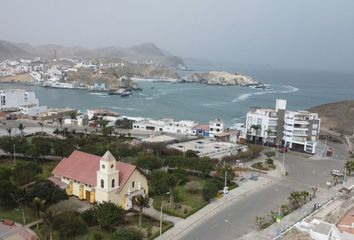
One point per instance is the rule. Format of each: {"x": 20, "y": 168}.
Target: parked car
{"x": 336, "y": 172}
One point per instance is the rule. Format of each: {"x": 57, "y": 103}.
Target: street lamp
{"x": 168, "y": 193}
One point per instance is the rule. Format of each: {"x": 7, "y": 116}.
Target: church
{"x": 98, "y": 179}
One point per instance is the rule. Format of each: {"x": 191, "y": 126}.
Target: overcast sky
{"x": 315, "y": 34}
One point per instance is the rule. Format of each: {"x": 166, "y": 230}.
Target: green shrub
{"x": 270, "y": 154}
{"x": 270, "y": 161}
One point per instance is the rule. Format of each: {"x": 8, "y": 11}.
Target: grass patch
{"x": 15, "y": 214}
{"x": 259, "y": 166}
{"x": 185, "y": 203}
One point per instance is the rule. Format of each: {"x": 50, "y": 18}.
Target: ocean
{"x": 192, "y": 101}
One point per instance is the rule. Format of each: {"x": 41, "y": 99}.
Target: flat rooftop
{"x": 206, "y": 147}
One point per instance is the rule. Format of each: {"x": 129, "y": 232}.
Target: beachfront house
{"x": 97, "y": 179}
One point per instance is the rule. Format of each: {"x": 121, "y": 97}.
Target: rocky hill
{"x": 221, "y": 78}
{"x": 10, "y": 51}
{"x": 337, "y": 117}
{"x": 143, "y": 53}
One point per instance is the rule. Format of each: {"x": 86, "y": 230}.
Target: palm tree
{"x": 41, "y": 124}
{"x": 304, "y": 195}
{"x": 260, "y": 221}
{"x": 256, "y": 128}
{"x": 141, "y": 201}
{"x": 38, "y": 205}
{"x": 295, "y": 199}
{"x": 21, "y": 127}
{"x": 9, "y": 131}
{"x": 269, "y": 131}
{"x": 60, "y": 120}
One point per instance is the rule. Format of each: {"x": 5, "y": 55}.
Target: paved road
{"x": 239, "y": 219}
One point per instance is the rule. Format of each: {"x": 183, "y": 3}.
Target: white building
{"x": 208, "y": 148}
{"x": 216, "y": 126}
{"x": 166, "y": 125}
{"x": 294, "y": 129}
{"x": 14, "y": 99}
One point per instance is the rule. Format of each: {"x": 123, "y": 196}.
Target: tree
{"x": 269, "y": 131}
{"x": 172, "y": 182}
{"x": 157, "y": 182}
{"x": 6, "y": 189}
{"x": 210, "y": 188}
{"x": 141, "y": 202}
{"x": 60, "y": 120}
{"x": 37, "y": 205}
{"x": 26, "y": 172}
{"x": 46, "y": 190}
{"x": 193, "y": 187}
{"x": 148, "y": 162}
{"x": 349, "y": 166}
{"x": 256, "y": 128}
{"x": 304, "y": 195}
{"x": 9, "y": 131}
{"x": 127, "y": 234}
{"x": 108, "y": 215}
{"x": 69, "y": 225}
{"x": 41, "y": 124}
{"x": 43, "y": 146}
{"x": 295, "y": 199}
{"x": 21, "y": 127}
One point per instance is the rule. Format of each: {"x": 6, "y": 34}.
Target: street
{"x": 240, "y": 218}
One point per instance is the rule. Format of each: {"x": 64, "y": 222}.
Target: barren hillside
{"x": 338, "y": 116}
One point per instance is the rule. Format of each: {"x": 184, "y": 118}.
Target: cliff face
{"x": 220, "y": 78}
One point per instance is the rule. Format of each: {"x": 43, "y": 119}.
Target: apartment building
{"x": 216, "y": 126}
{"x": 20, "y": 100}
{"x": 298, "y": 130}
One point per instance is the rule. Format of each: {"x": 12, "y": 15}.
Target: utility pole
{"x": 284, "y": 160}
{"x": 161, "y": 220}
{"x": 14, "y": 153}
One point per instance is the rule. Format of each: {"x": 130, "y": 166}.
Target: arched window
{"x": 102, "y": 183}
{"x": 113, "y": 183}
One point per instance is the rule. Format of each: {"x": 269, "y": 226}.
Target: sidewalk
{"x": 323, "y": 197}
{"x": 152, "y": 212}
{"x": 208, "y": 211}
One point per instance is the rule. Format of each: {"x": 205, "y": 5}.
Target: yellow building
{"x": 98, "y": 179}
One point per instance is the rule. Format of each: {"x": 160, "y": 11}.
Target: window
{"x": 314, "y": 132}
{"x": 102, "y": 183}
{"x": 133, "y": 184}
{"x": 103, "y": 166}
{"x": 112, "y": 166}
{"x": 26, "y": 97}
{"x": 113, "y": 183}
{"x": 314, "y": 126}
{"x": 3, "y": 100}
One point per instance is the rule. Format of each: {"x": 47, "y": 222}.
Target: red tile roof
{"x": 83, "y": 167}
{"x": 204, "y": 127}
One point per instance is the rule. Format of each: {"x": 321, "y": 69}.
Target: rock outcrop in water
{"x": 221, "y": 78}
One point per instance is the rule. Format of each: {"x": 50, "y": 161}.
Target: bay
{"x": 302, "y": 89}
